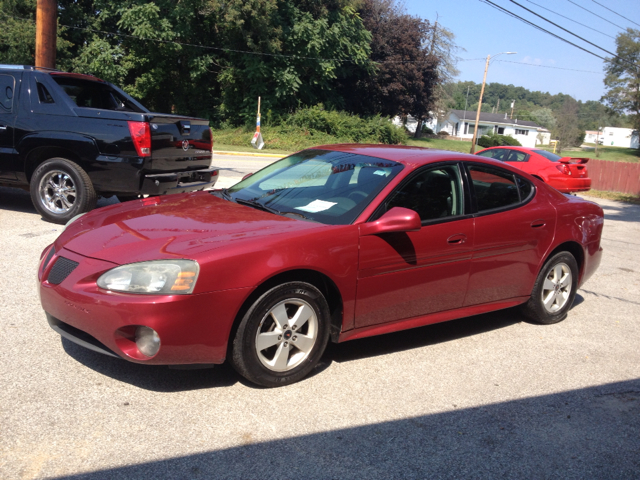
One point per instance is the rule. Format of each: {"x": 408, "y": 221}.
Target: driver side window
{"x": 433, "y": 193}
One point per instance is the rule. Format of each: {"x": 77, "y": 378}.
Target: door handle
{"x": 538, "y": 224}
{"x": 457, "y": 239}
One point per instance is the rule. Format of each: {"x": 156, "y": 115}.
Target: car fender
{"x": 36, "y": 147}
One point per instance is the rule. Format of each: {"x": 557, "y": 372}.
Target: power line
{"x": 511, "y": 14}
{"x": 571, "y": 20}
{"x": 604, "y": 6}
{"x": 549, "y": 66}
{"x": 580, "y": 6}
{"x": 562, "y": 28}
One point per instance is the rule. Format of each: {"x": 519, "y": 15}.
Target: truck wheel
{"x": 60, "y": 190}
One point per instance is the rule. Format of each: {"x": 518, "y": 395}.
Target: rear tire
{"x": 60, "y": 190}
{"x": 282, "y": 336}
{"x": 554, "y": 290}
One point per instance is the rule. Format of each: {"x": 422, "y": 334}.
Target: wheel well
{"x": 320, "y": 281}
{"x": 41, "y": 154}
{"x": 574, "y": 249}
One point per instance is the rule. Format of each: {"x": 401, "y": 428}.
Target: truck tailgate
{"x": 178, "y": 143}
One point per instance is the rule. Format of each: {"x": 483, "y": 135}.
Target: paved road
{"x": 486, "y": 397}
{"x": 234, "y": 167}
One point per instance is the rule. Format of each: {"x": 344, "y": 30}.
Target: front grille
{"x": 61, "y": 270}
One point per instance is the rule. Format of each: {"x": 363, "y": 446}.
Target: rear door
{"x": 514, "y": 227}
{"x": 8, "y": 113}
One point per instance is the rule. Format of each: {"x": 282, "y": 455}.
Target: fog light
{"x": 147, "y": 341}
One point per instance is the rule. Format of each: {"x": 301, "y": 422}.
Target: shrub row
{"x": 495, "y": 140}
{"x": 315, "y": 126}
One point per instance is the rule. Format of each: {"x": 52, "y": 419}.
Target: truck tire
{"x": 60, "y": 190}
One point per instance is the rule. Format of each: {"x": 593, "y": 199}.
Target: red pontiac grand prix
{"x": 565, "y": 174}
{"x": 336, "y": 242}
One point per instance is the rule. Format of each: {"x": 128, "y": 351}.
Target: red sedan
{"x": 332, "y": 243}
{"x": 565, "y": 174}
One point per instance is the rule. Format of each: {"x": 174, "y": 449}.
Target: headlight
{"x": 158, "y": 277}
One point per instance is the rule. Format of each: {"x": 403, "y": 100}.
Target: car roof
{"x": 406, "y": 155}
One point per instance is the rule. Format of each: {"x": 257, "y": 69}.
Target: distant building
{"x": 460, "y": 123}
{"x": 620, "y": 137}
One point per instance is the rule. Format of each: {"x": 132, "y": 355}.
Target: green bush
{"x": 495, "y": 140}
{"x": 315, "y": 126}
{"x": 346, "y": 127}
{"x": 427, "y": 130}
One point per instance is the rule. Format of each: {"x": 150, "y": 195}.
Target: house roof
{"x": 495, "y": 118}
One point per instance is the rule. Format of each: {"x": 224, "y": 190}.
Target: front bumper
{"x": 194, "y": 329}
{"x": 179, "y": 182}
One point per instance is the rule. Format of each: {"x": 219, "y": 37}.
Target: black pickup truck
{"x": 70, "y": 138}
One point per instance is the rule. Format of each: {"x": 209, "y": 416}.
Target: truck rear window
{"x": 90, "y": 94}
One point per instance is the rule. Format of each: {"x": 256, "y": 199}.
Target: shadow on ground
{"x": 164, "y": 379}
{"x": 587, "y": 433}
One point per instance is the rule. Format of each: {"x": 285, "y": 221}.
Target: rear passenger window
{"x": 43, "y": 94}
{"x": 7, "y": 85}
{"x": 493, "y": 188}
{"x": 516, "y": 156}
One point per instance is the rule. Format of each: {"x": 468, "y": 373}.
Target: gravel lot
{"x": 490, "y": 396}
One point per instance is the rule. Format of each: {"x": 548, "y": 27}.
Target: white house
{"x": 460, "y": 123}
{"x": 619, "y": 137}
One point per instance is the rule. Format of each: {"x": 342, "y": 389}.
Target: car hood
{"x": 173, "y": 226}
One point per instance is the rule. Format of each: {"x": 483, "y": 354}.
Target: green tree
{"x": 18, "y": 33}
{"x": 623, "y": 76}
{"x": 544, "y": 117}
{"x": 567, "y": 130}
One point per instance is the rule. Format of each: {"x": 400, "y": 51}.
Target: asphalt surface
{"x": 485, "y": 397}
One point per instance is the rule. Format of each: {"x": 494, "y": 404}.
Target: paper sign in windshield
{"x": 317, "y": 206}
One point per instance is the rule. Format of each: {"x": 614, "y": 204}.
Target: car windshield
{"x": 319, "y": 185}
{"x": 548, "y": 155}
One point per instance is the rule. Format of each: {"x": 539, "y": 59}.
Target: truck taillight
{"x": 141, "y": 136}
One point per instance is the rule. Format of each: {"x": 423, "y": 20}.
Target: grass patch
{"x": 611, "y": 154}
{"x": 617, "y": 196}
{"x": 442, "y": 144}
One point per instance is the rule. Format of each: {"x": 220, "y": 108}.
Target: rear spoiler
{"x": 573, "y": 160}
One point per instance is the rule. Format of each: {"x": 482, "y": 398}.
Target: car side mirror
{"x": 398, "y": 219}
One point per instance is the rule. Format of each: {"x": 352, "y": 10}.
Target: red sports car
{"x": 565, "y": 174}
{"x": 335, "y": 243}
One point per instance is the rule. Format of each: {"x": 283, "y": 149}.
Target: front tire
{"x": 282, "y": 336}
{"x": 60, "y": 190}
{"x": 554, "y": 290}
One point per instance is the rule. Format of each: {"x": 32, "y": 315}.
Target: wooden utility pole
{"x": 46, "y": 33}
{"x": 475, "y": 130}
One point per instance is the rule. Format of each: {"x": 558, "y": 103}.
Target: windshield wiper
{"x": 257, "y": 205}
{"x": 223, "y": 193}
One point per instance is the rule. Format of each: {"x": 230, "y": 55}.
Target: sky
{"x": 483, "y": 30}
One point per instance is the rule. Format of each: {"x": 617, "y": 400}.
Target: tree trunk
{"x": 418, "y": 133}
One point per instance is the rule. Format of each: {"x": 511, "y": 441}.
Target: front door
{"x": 405, "y": 275}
